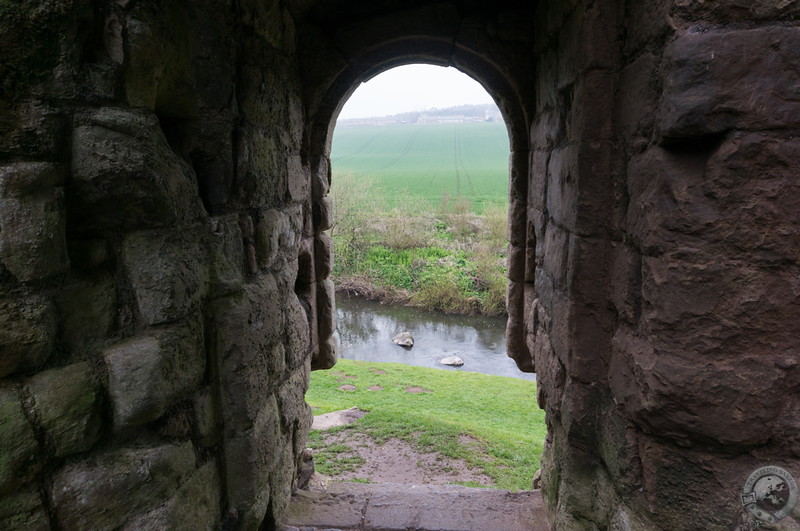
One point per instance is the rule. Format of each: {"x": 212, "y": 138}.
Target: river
{"x": 366, "y": 330}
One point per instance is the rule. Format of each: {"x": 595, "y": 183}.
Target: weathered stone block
{"x": 626, "y": 279}
{"x": 323, "y": 214}
{"x": 271, "y": 225}
{"x": 24, "y": 509}
{"x": 299, "y": 180}
{"x": 691, "y": 387}
{"x": 735, "y": 11}
{"x": 720, "y": 80}
{"x": 261, "y": 169}
{"x": 125, "y": 176}
{"x": 280, "y": 481}
{"x": 323, "y": 256}
{"x": 32, "y": 128}
{"x": 18, "y": 460}
{"x": 295, "y": 413}
{"x": 752, "y": 180}
{"x": 32, "y": 220}
{"x": 159, "y": 60}
{"x": 168, "y": 272}
{"x": 243, "y": 332}
{"x": 67, "y": 407}
{"x": 89, "y": 309}
{"x": 555, "y": 251}
{"x": 517, "y": 222}
{"x": 25, "y": 179}
{"x": 196, "y": 505}
{"x": 226, "y": 268}
{"x": 147, "y": 374}
{"x": 207, "y": 418}
{"x": 107, "y": 490}
{"x": 297, "y": 333}
{"x": 637, "y": 97}
{"x": 251, "y": 456}
{"x": 668, "y": 206}
{"x": 28, "y": 327}
{"x": 516, "y": 345}
{"x": 326, "y": 355}
{"x": 326, "y": 309}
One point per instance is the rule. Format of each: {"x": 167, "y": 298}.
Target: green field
{"x": 426, "y": 162}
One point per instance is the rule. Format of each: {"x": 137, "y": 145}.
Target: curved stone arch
{"x": 459, "y": 40}
{"x": 396, "y": 54}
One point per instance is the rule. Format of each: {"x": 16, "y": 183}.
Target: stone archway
{"x": 450, "y": 38}
{"x": 163, "y": 279}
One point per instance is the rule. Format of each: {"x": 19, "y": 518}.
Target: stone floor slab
{"x": 390, "y": 507}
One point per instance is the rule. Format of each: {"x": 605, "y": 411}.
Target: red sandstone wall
{"x": 663, "y": 299}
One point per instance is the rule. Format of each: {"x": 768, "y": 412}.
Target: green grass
{"x": 420, "y": 164}
{"x": 498, "y": 414}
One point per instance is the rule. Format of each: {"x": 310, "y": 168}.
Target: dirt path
{"x": 397, "y": 461}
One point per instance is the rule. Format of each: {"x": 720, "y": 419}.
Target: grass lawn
{"x": 498, "y": 416}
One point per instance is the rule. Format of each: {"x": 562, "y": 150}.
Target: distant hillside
{"x": 483, "y": 112}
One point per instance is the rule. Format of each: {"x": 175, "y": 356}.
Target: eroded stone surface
{"x": 19, "y": 459}
{"x": 67, "y": 407}
{"x": 148, "y": 374}
{"x": 28, "y": 325}
{"x": 143, "y": 478}
{"x": 393, "y": 506}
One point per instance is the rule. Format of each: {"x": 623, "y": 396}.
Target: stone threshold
{"x": 390, "y": 506}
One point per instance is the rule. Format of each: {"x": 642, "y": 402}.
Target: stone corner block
{"x": 19, "y": 458}
{"x": 168, "y": 271}
{"x": 32, "y": 220}
{"x": 28, "y": 328}
{"x": 112, "y": 488}
{"x": 66, "y": 401}
{"x": 149, "y": 373}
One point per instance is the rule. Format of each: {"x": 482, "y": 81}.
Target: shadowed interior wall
{"x": 162, "y": 273}
{"x": 164, "y": 266}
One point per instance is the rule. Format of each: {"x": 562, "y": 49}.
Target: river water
{"x": 366, "y": 330}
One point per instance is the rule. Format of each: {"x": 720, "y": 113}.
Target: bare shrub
{"x": 406, "y": 230}
{"x": 458, "y": 214}
{"x": 495, "y": 226}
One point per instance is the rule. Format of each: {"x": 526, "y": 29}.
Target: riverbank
{"x": 490, "y": 425}
{"x": 451, "y": 260}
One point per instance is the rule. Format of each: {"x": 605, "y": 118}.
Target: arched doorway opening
{"x": 450, "y": 262}
{"x": 343, "y": 78}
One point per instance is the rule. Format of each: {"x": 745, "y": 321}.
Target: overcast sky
{"x": 413, "y": 88}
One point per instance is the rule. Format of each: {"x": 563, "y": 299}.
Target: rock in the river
{"x": 455, "y": 361}
{"x": 404, "y": 339}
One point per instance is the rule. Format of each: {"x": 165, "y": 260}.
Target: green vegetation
{"x": 408, "y": 230}
{"x": 491, "y": 422}
{"x": 421, "y": 163}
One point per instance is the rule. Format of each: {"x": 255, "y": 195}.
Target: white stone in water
{"x": 455, "y": 361}
{"x": 404, "y": 339}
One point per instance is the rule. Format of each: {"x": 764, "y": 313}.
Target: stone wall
{"x": 164, "y": 287}
{"x": 663, "y": 299}
{"x": 163, "y": 279}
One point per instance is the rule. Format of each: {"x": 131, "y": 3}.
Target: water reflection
{"x": 366, "y": 329}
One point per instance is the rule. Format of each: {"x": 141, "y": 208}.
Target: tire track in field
{"x": 440, "y": 168}
{"x": 455, "y": 161}
{"x": 406, "y": 149}
{"x": 460, "y": 162}
{"x": 371, "y": 140}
